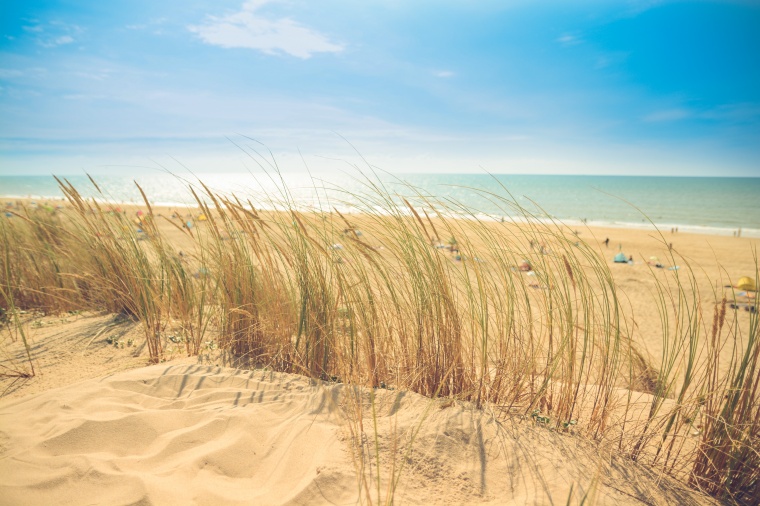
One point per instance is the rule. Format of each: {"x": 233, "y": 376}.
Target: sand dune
{"x": 191, "y": 434}
{"x": 83, "y": 431}
{"x": 174, "y": 435}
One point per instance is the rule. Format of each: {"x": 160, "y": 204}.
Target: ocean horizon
{"x": 709, "y": 205}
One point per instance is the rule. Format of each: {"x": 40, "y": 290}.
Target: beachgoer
{"x": 607, "y": 242}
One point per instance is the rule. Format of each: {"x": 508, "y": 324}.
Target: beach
{"x": 275, "y": 252}
{"x": 98, "y": 421}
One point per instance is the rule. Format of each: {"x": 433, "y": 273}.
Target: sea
{"x": 708, "y": 205}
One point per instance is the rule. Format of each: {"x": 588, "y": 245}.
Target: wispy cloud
{"x": 35, "y": 28}
{"x": 10, "y": 73}
{"x": 251, "y": 29}
{"x": 610, "y": 59}
{"x": 742, "y": 112}
{"x": 569, "y": 39}
{"x": 667, "y": 115}
{"x": 52, "y": 34}
{"x": 18, "y": 73}
{"x": 56, "y": 41}
{"x": 154, "y": 25}
{"x": 444, "y": 73}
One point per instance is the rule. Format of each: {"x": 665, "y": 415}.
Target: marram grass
{"x": 379, "y": 299}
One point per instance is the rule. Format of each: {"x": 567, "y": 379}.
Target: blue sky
{"x": 588, "y": 87}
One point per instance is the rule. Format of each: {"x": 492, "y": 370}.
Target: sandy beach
{"x": 285, "y": 252}
{"x": 98, "y": 425}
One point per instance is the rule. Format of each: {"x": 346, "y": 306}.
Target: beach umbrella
{"x": 746, "y": 283}
{"x": 620, "y": 258}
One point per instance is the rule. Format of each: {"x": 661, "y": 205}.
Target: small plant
{"x": 569, "y": 423}
{"x": 536, "y": 416}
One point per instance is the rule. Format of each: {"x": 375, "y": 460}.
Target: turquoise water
{"x": 708, "y": 205}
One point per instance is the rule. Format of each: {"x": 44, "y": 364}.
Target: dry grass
{"x": 378, "y": 299}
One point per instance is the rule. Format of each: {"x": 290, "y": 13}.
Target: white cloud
{"x": 443, "y": 73}
{"x": 249, "y": 29}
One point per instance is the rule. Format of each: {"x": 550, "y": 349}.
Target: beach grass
{"x": 413, "y": 293}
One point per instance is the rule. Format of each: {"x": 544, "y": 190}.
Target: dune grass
{"x": 414, "y": 293}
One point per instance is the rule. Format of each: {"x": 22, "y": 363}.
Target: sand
{"x": 190, "y": 434}
{"x": 95, "y": 426}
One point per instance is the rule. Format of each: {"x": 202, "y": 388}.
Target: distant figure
{"x": 607, "y": 243}
{"x": 739, "y": 233}
{"x": 630, "y": 259}
{"x": 670, "y": 247}
{"x": 676, "y": 230}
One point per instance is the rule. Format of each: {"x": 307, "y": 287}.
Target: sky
{"x": 524, "y": 87}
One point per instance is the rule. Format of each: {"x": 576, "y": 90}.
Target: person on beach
{"x": 607, "y": 243}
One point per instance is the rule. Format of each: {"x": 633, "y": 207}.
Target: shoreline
{"x": 664, "y": 228}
